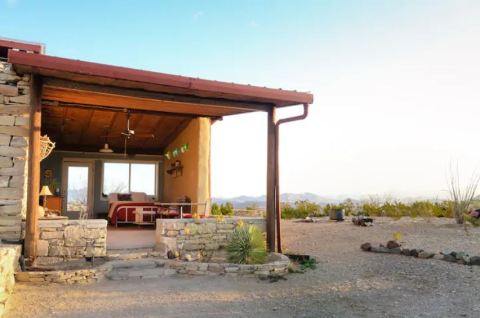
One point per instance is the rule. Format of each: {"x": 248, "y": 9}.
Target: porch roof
{"x": 80, "y": 82}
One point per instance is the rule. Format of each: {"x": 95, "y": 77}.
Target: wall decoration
{"x": 46, "y": 146}
{"x": 175, "y": 153}
{"x": 184, "y": 148}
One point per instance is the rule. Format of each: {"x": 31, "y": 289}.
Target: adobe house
{"x": 157, "y": 125}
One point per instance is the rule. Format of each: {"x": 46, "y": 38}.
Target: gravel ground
{"x": 347, "y": 282}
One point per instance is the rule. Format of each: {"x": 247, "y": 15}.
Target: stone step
{"x": 130, "y": 254}
{"x": 139, "y": 273}
{"x": 137, "y": 264}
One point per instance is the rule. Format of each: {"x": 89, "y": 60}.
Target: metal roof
{"x": 175, "y": 86}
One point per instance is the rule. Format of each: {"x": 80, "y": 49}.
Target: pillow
{"x": 139, "y": 196}
{"x": 112, "y": 197}
{"x": 124, "y": 197}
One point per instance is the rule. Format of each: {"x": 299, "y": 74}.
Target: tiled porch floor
{"x": 130, "y": 237}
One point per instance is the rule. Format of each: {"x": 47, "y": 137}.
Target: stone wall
{"x": 152, "y": 268}
{"x": 194, "y": 240}
{"x": 9, "y": 255}
{"x": 61, "y": 239}
{"x": 14, "y": 132}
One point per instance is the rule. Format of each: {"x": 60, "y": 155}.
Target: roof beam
{"x": 185, "y": 99}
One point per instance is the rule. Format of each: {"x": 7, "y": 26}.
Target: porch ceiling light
{"x": 105, "y": 149}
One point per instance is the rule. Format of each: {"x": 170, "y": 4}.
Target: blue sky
{"x": 395, "y": 82}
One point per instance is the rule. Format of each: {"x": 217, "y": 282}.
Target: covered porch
{"x": 82, "y": 106}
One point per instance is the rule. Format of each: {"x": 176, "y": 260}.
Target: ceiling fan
{"x": 127, "y": 134}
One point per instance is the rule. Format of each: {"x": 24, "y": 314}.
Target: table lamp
{"x": 45, "y": 192}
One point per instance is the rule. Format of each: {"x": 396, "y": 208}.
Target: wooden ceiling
{"x": 84, "y": 129}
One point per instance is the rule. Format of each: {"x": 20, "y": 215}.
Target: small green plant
{"x": 222, "y": 209}
{"x": 310, "y": 263}
{"x": 216, "y": 209}
{"x": 227, "y": 209}
{"x": 473, "y": 221}
{"x": 247, "y": 246}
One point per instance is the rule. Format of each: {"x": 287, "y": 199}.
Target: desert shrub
{"x": 300, "y": 209}
{"x": 461, "y": 196}
{"x": 247, "y": 246}
{"x": 348, "y": 206}
{"x": 473, "y": 221}
{"x": 216, "y": 209}
{"x": 222, "y": 209}
{"x": 227, "y": 209}
{"x": 372, "y": 208}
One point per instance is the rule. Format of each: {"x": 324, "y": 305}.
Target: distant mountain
{"x": 244, "y": 201}
{"x": 259, "y": 201}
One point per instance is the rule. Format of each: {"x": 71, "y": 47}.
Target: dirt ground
{"x": 347, "y": 282}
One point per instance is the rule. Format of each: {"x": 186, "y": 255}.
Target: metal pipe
{"x": 277, "y": 170}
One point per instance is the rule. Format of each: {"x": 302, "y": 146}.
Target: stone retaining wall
{"x": 9, "y": 255}
{"x": 79, "y": 276}
{"x": 14, "y": 132}
{"x": 156, "y": 268}
{"x": 71, "y": 239}
{"x": 194, "y": 240}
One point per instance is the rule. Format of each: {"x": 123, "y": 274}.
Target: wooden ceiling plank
{"x": 180, "y": 127}
{"x": 86, "y": 127}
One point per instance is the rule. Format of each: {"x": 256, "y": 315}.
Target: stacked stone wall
{"x": 61, "y": 239}
{"x": 14, "y": 132}
{"x": 195, "y": 240}
{"x": 9, "y": 255}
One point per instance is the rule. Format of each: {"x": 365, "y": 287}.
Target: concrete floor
{"x": 130, "y": 237}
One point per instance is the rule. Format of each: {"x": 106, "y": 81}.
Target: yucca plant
{"x": 462, "y": 197}
{"x": 247, "y": 246}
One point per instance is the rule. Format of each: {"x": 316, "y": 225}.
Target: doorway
{"x": 77, "y": 187}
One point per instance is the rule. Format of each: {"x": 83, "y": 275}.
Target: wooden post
{"x": 271, "y": 163}
{"x": 31, "y": 227}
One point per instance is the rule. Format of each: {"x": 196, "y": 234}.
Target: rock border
{"x": 394, "y": 247}
{"x": 107, "y": 270}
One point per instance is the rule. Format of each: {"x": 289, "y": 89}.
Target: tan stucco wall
{"x": 195, "y": 180}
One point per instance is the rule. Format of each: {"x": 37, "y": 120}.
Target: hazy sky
{"x": 396, "y": 83}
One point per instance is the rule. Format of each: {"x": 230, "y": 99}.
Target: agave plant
{"x": 247, "y": 246}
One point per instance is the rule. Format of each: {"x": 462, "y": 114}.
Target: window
{"x": 125, "y": 177}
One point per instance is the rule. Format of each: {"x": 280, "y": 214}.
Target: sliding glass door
{"x": 78, "y": 189}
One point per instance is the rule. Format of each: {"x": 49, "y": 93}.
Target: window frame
{"x": 129, "y": 162}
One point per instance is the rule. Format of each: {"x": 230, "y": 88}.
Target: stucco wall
{"x": 195, "y": 180}
{"x": 14, "y": 133}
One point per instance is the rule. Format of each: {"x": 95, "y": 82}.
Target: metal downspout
{"x": 277, "y": 170}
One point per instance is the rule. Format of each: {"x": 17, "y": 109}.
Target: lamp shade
{"x": 45, "y": 191}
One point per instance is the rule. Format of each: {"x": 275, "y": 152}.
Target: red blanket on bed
{"x": 124, "y": 211}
